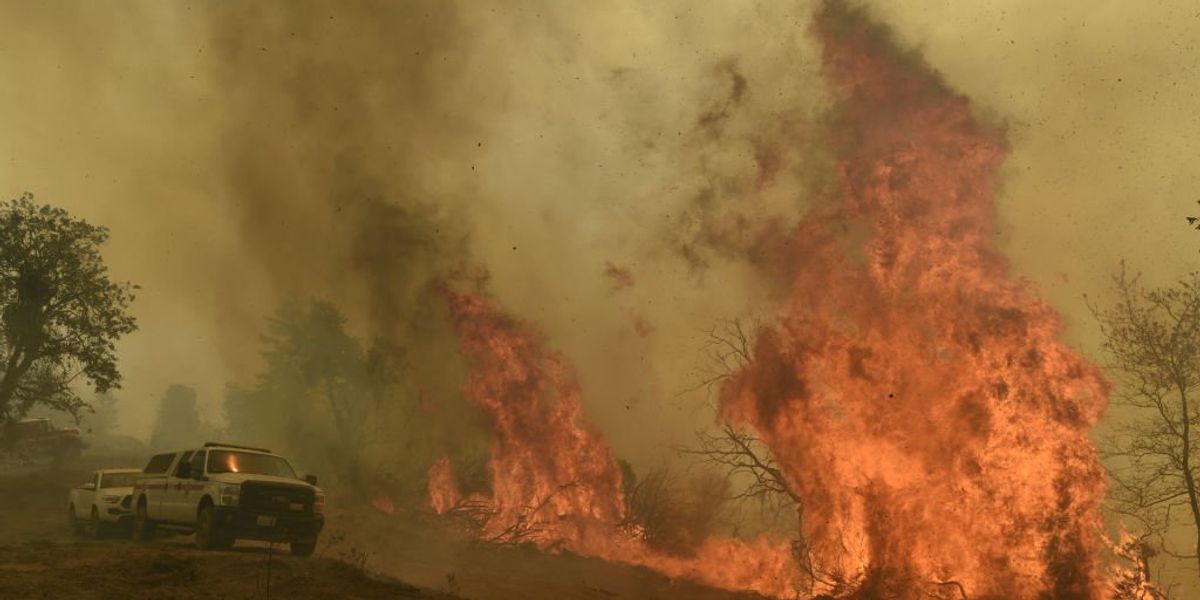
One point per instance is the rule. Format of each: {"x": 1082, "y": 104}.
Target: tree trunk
{"x": 18, "y": 365}
{"x": 1189, "y": 479}
{"x": 347, "y": 460}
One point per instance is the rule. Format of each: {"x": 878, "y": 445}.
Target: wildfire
{"x": 554, "y": 480}
{"x": 443, "y": 490}
{"x": 919, "y": 402}
{"x": 551, "y": 476}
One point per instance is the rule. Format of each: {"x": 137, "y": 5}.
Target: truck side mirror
{"x": 310, "y": 479}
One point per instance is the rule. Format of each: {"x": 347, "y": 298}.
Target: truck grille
{"x": 276, "y": 497}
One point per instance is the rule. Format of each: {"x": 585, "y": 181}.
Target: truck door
{"x": 153, "y": 482}
{"x": 95, "y": 495}
{"x": 173, "y": 497}
{"x": 193, "y": 488}
{"x": 85, "y": 497}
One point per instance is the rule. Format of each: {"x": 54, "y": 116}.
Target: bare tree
{"x": 744, "y": 457}
{"x": 739, "y": 453}
{"x": 726, "y": 348}
{"x": 1152, "y": 338}
{"x": 745, "y": 460}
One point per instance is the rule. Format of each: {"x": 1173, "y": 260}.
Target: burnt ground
{"x": 363, "y": 553}
{"x": 121, "y": 569}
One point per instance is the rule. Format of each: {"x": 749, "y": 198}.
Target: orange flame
{"x": 542, "y": 456}
{"x": 554, "y": 480}
{"x": 443, "y": 490}
{"x": 920, "y": 402}
{"x": 383, "y": 503}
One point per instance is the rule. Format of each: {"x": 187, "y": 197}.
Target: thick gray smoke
{"x": 245, "y": 153}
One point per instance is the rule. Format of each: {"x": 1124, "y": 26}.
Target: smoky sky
{"x": 244, "y": 153}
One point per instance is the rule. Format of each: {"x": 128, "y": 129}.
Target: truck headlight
{"x": 319, "y": 503}
{"x": 230, "y": 494}
{"x": 112, "y": 499}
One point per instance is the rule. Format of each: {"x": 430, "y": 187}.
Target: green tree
{"x": 60, "y": 313}
{"x": 321, "y": 392}
{"x": 178, "y": 423}
{"x": 243, "y": 408}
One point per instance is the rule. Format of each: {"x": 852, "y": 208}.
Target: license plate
{"x": 265, "y": 521}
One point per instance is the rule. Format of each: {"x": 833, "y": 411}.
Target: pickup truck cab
{"x": 224, "y": 493}
{"x": 103, "y": 501}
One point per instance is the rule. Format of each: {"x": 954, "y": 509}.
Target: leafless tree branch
{"x": 1152, "y": 340}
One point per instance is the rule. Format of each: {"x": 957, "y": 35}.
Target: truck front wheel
{"x": 208, "y": 535}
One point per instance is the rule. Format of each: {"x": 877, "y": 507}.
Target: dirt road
{"x": 363, "y": 553}
{"x": 41, "y": 559}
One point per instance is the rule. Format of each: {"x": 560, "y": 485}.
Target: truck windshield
{"x": 228, "y": 461}
{"x": 117, "y": 480}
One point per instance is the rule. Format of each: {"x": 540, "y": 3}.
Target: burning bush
{"x": 673, "y": 514}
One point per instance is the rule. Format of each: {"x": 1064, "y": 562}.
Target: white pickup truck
{"x": 224, "y": 493}
{"x": 102, "y": 502}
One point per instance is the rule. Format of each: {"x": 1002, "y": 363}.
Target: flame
{"x": 920, "y": 402}
{"x": 383, "y": 503}
{"x": 554, "y": 480}
{"x": 443, "y": 490}
{"x": 1131, "y": 576}
{"x": 542, "y": 453}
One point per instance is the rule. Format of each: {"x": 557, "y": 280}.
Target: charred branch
{"x": 482, "y": 519}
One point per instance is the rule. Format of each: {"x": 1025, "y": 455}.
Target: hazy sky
{"x": 218, "y": 141}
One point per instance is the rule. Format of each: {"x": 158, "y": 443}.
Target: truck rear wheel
{"x": 143, "y": 527}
